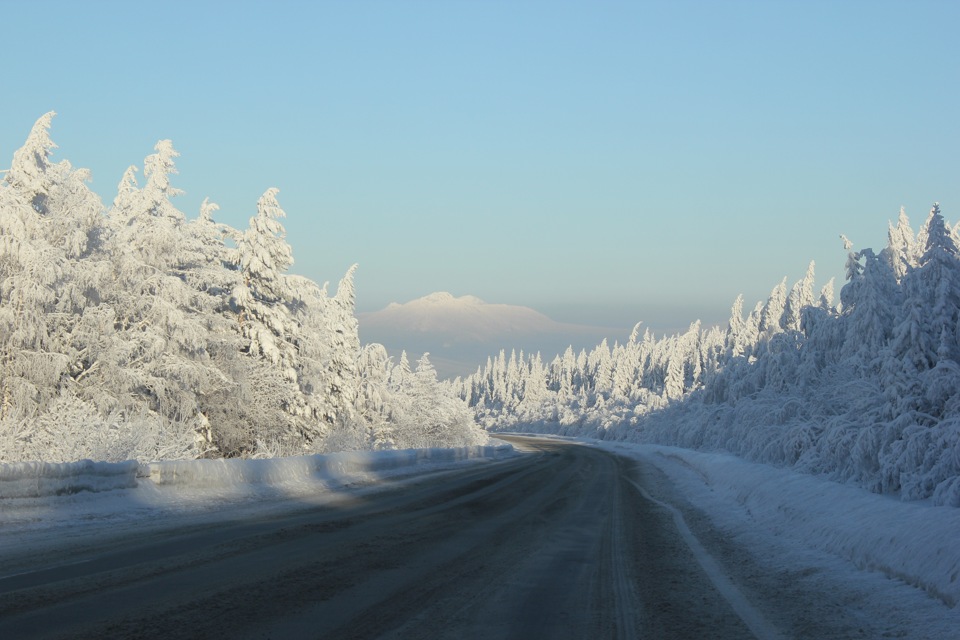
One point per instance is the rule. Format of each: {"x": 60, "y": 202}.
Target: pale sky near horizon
{"x": 602, "y": 162}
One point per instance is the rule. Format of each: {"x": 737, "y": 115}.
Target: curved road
{"x": 560, "y": 543}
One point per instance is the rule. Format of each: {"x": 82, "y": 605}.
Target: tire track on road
{"x": 751, "y": 616}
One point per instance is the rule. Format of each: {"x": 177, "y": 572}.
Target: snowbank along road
{"x": 565, "y": 541}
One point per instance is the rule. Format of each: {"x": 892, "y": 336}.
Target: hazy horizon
{"x": 459, "y": 341}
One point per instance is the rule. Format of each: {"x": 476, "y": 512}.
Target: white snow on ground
{"x": 917, "y": 543}
{"x": 87, "y": 494}
{"x": 331, "y": 468}
{"x": 36, "y": 479}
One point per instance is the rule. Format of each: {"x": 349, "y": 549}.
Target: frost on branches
{"x": 866, "y": 392}
{"x": 133, "y": 332}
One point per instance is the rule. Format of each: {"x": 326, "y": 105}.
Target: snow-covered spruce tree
{"x": 271, "y": 309}
{"x": 72, "y": 214}
{"x": 374, "y": 396}
{"x": 801, "y": 297}
{"x": 30, "y": 270}
{"x": 208, "y": 264}
{"x": 872, "y": 298}
{"x": 400, "y": 378}
{"x": 262, "y": 298}
{"x": 922, "y": 383}
{"x": 168, "y": 321}
{"x": 901, "y": 250}
{"x": 433, "y": 416}
{"x": 31, "y": 173}
{"x": 771, "y": 320}
{"x": 345, "y": 349}
{"x": 53, "y": 273}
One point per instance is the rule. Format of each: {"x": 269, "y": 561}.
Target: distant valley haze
{"x": 461, "y": 332}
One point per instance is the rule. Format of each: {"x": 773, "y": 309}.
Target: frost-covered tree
{"x": 71, "y": 213}
{"x": 262, "y": 296}
{"x": 32, "y": 175}
{"x": 434, "y": 417}
{"x": 870, "y": 309}
{"x": 263, "y": 254}
{"x": 345, "y": 346}
{"x": 772, "y": 317}
{"x": 801, "y": 297}
{"x": 208, "y": 263}
{"x": 901, "y": 251}
{"x": 157, "y": 192}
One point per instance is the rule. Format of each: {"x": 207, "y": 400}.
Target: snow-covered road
{"x": 570, "y": 541}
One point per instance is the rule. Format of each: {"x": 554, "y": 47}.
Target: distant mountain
{"x": 461, "y": 332}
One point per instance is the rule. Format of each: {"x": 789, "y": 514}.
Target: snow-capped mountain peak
{"x": 464, "y": 330}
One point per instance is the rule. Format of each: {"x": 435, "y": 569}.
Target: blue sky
{"x": 602, "y": 162}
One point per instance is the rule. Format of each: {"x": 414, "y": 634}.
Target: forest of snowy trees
{"x": 130, "y": 331}
{"x": 867, "y": 391}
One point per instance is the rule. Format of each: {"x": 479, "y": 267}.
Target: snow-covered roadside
{"x": 917, "y": 543}
{"x": 52, "y": 496}
{"x": 43, "y": 479}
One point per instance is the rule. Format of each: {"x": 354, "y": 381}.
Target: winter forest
{"x": 135, "y": 333}
{"x": 132, "y": 332}
{"x": 863, "y": 392}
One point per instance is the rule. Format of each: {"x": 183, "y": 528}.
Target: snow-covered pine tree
{"x": 260, "y": 298}
{"x": 773, "y": 310}
{"x": 434, "y": 417}
{"x": 71, "y": 213}
{"x": 801, "y": 296}
{"x": 31, "y": 173}
{"x": 345, "y": 349}
{"x": 266, "y": 307}
{"x": 938, "y": 284}
{"x": 207, "y": 263}
{"x": 373, "y": 395}
{"x": 901, "y": 252}
{"x": 736, "y": 342}
{"x": 870, "y": 308}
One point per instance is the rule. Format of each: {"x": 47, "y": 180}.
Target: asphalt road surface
{"x": 565, "y": 541}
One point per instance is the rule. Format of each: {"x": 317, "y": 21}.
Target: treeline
{"x": 130, "y": 331}
{"x": 865, "y": 391}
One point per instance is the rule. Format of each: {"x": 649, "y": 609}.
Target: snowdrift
{"x": 37, "y": 479}
{"x": 40, "y": 479}
{"x": 334, "y": 466}
{"x": 911, "y": 541}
